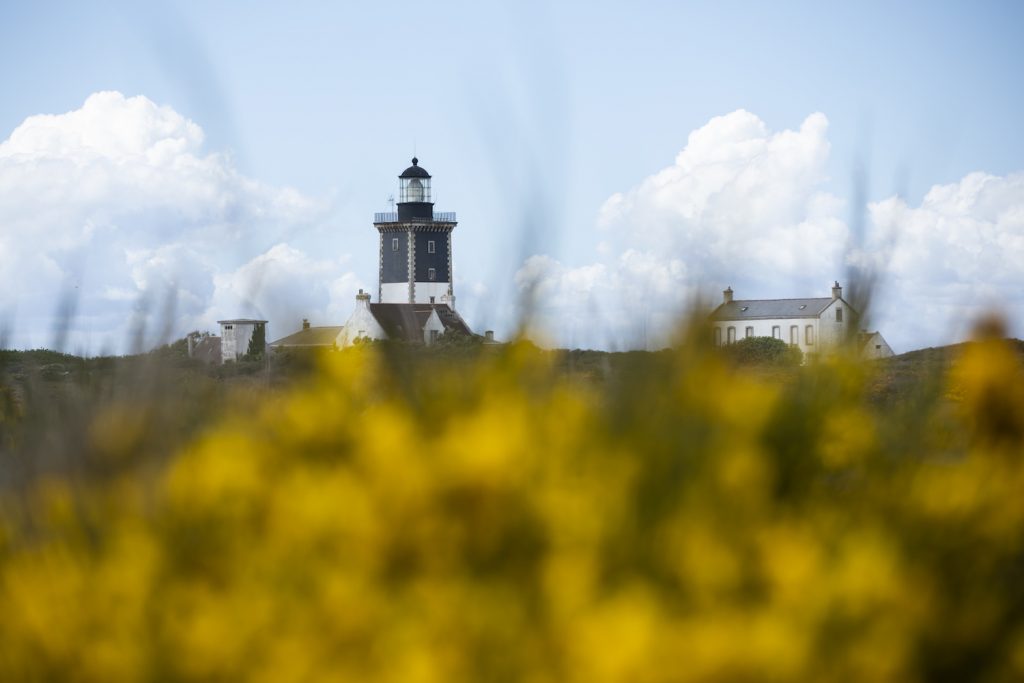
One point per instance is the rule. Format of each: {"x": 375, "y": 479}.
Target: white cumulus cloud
{"x": 117, "y": 205}
{"x": 958, "y": 254}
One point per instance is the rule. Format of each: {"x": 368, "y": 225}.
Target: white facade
{"x": 432, "y": 292}
{"x": 811, "y": 335}
{"x": 361, "y": 324}
{"x": 433, "y": 328}
{"x": 425, "y": 293}
{"x": 813, "y": 325}
{"x": 236, "y": 335}
{"x": 394, "y": 293}
{"x": 874, "y": 346}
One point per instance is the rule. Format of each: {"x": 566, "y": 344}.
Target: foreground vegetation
{"x": 489, "y": 514}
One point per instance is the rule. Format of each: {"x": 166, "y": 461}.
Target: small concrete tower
{"x": 415, "y": 245}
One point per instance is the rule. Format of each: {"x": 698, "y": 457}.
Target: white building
{"x": 241, "y": 337}
{"x": 814, "y": 325}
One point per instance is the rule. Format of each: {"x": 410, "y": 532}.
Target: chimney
{"x": 191, "y": 344}
{"x": 305, "y": 323}
{"x": 362, "y": 300}
{"x": 489, "y": 335}
{"x": 727, "y": 295}
{"x": 837, "y": 291}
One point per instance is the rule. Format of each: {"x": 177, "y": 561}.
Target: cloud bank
{"x": 116, "y": 208}
{"x": 744, "y": 206}
{"x": 957, "y": 254}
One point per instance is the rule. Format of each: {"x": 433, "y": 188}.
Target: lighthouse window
{"x": 432, "y": 274}
{"x": 394, "y": 244}
{"x": 430, "y": 247}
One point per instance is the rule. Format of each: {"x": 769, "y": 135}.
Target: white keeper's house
{"x": 815, "y": 325}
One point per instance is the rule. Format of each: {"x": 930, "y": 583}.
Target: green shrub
{"x": 764, "y": 351}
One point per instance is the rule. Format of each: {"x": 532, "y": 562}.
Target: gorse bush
{"x": 492, "y": 518}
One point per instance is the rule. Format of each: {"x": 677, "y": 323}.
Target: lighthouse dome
{"x": 415, "y": 171}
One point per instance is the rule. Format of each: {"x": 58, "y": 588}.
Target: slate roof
{"x": 755, "y": 309}
{"x": 310, "y": 337}
{"x": 406, "y": 321}
{"x": 452, "y": 320}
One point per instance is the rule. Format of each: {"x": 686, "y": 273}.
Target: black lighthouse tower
{"x": 415, "y": 245}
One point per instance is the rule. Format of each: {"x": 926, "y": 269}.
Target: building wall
{"x": 876, "y": 347}
{"x": 828, "y": 333}
{"x": 425, "y": 290}
{"x": 763, "y": 328}
{"x": 438, "y": 260}
{"x": 394, "y": 293}
{"x": 433, "y": 324}
{"x": 394, "y": 266}
{"x": 361, "y": 324}
{"x": 234, "y": 339}
{"x": 835, "y": 332}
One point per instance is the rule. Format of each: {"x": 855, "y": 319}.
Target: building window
{"x": 809, "y": 335}
{"x": 718, "y": 336}
{"x": 431, "y": 274}
{"x": 430, "y": 247}
{"x": 794, "y": 335}
{"x": 730, "y": 335}
{"x": 776, "y": 332}
{"x": 749, "y": 332}
{"x": 878, "y": 347}
{"x": 431, "y": 299}
{"x": 229, "y": 327}
{"x": 433, "y": 336}
{"x": 394, "y": 244}
{"x": 839, "y": 314}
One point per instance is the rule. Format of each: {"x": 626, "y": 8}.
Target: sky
{"x": 166, "y": 165}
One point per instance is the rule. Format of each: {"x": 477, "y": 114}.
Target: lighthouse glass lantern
{"x": 414, "y": 184}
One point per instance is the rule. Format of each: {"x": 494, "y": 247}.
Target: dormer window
{"x": 803, "y": 306}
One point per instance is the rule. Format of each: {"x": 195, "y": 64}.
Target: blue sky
{"x": 531, "y": 116}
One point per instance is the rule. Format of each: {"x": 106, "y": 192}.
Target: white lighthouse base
{"x": 398, "y": 292}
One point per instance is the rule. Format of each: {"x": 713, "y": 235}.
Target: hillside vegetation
{"x": 478, "y": 513}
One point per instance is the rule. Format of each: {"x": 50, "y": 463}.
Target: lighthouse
{"x": 415, "y": 245}
{"x": 415, "y": 302}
